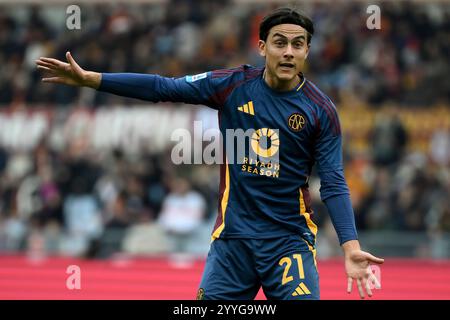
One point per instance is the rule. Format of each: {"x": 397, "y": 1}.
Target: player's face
{"x": 285, "y": 51}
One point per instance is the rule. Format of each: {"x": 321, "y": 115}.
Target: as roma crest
{"x": 296, "y": 121}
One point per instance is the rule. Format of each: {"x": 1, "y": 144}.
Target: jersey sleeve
{"x": 328, "y": 152}
{"x": 328, "y": 148}
{"x": 342, "y": 216}
{"x": 333, "y": 187}
{"x": 205, "y": 88}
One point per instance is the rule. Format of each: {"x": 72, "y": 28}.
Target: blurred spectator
{"x": 83, "y": 220}
{"x": 388, "y": 140}
{"x": 440, "y": 147}
{"x": 110, "y": 241}
{"x": 146, "y": 238}
{"x": 82, "y": 213}
{"x": 182, "y": 214}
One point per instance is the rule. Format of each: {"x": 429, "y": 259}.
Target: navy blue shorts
{"x": 237, "y": 268}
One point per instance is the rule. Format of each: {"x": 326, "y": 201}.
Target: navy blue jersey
{"x": 259, "y": 199}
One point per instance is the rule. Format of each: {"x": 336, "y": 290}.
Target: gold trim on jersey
{"x": 224, "y": 203}
{"x": 311, "y": 225}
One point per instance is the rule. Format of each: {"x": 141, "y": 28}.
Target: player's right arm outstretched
{"x": 207, "y": 88}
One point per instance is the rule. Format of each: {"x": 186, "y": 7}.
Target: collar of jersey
{"x": 294, "y": 91}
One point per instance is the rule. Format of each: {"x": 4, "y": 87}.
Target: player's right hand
{"x": 67, "y": 73}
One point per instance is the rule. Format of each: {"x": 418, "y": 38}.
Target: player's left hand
{"x": 357, "y": 267}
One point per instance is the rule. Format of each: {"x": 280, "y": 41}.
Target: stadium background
{"x": 86, "y": 178}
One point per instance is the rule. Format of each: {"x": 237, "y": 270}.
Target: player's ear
{"x": 262, "y": 48}
{"x": 307, "y": 51}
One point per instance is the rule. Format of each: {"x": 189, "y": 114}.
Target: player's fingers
{"x": 43, "y": 63}
{"x": 42, "y": 68}
{"x": 349, "y": 284}
{"x": 374, "y": 280}
{"x": 360, "y": 288}
{"x": 373, "y": 259}
{"x": 367, "y": 286}
{"x": 57, "y": 67}
{"x": 54, "y": 80}
{"x": 51, "y": 61}
{"x": 73, "y": 63}
{"x": 46, "y": 65}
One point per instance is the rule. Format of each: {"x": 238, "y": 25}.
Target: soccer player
{"x": 264, "y": 234}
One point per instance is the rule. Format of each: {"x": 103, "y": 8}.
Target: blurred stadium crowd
{"x": 80, "y": 202}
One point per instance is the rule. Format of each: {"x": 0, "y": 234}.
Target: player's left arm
{"x": 336, "y": 196}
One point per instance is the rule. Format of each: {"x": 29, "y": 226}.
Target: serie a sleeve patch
{"x": 196, "y": 77}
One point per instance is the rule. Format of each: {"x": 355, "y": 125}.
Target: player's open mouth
{"x": 287, "y": 65}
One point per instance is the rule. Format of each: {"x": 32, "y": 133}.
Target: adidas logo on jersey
{"x": 247, "y": 108}
{"x": 301, "y": 290}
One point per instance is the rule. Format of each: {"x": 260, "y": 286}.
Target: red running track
{"x": 161, "y": 279}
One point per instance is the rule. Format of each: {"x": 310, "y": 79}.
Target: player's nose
{"x": 288, "y": 53}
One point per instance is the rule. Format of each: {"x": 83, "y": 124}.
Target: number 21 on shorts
{"x": 287, "y": 263}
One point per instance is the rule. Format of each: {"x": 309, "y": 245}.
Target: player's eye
{"x": 298, "y": 44}
{"x": 279, "y": 43}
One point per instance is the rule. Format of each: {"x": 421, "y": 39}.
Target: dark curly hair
{"x": 285, "y": 15}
